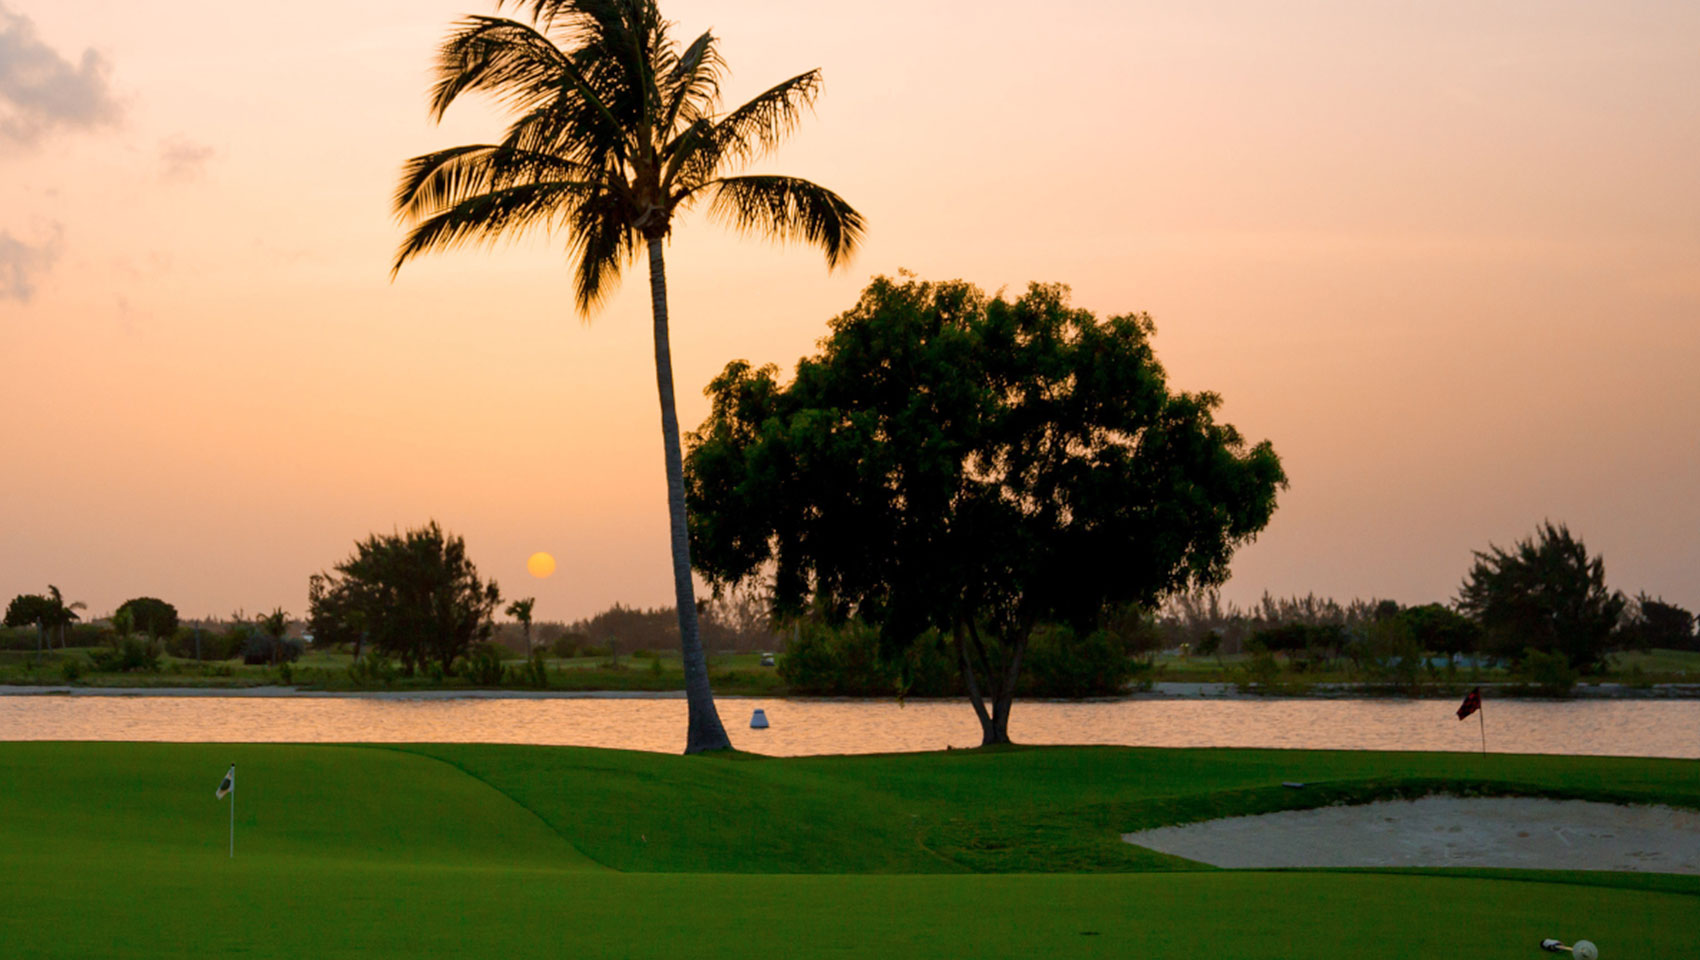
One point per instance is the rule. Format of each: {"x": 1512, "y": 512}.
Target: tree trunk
{"x": 999, "y": 683}
{"x": 705, "y": 731}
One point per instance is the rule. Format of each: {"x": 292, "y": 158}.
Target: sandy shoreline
{"x": 1160, "y": 691}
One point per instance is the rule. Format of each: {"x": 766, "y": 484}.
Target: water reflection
{"x": 1623, "y": 728}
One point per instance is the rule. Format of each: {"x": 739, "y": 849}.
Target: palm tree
{"x": 521, "y": 610}
{"x": 62, "y": 613}
{"x": 616, "y": 132}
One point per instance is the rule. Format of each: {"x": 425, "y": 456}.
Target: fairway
{"x": 118, "y": 850}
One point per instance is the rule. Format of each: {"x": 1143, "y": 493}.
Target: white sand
{"x": 1442, "y": 831}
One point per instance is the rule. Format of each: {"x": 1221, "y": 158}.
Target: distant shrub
{"x": 260, "y": 648}
{"x": 482, "y": 665}
{"x": 1060, "y": 664}
{"x": 372, "y": 670}
{"x": 568, "y": 645}
{"x": 534, "y": 672}
{"x": 126, "y": 655}
{"x": 1549, "y": 673}
{"x": 645, "y": 655}
{"x": 71, "y": 669}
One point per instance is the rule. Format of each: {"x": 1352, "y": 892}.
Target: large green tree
{"x": 616, "y": 131}
{"x": 31, "y": 610}
{"x": 416, "y": 595}
{"x": 152, "y": 615}
{"x": 1546, "y": 594}
{"x": 976, "y": 465}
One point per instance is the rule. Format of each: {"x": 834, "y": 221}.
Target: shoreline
{"x": 1159, "y": 691}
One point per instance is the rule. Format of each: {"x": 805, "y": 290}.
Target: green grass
{"x": 118, "y": 850}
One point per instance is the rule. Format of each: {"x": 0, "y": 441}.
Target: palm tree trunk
{"x": 705, "y": 731}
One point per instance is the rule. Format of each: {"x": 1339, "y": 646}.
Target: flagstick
{"x": 1481, "y": 716}
{"x": 233, "y": 811}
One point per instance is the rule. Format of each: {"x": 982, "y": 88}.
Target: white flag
{"x": 227, "y": 784}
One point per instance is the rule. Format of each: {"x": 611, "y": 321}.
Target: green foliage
{"x": 151, "y": 615}
{"x": 126, "y": 655}
{"x": 1654, "y": 624}
{"x": 974, "y": 466}
{"x": 1391, "y": 655}
{"x": 417, "y": 596}
{"x": 482, "y": 665}
{"x": 844, "y": 661}
{"x": 1441, "y": 629}
{"x": 373, "y": 669}
{"x": 71, "y": 669}
{"x": 28, "y": 609}
{"x": 1545, "y": 594}
{"x": 1548, "y": 672}
{"x": 568, "y": 645}
{"x": 535, "y": 671}
{"x": 1060, "y": 663}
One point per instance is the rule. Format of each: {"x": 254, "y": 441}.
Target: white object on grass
{"x": 1585, "y": 950}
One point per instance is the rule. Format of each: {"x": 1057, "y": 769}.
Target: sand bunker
{"x": 1442, "y": 831}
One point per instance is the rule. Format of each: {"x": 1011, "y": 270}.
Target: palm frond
{"x": 769, "y": 117}
{"x": 435, "y": 181}
{"x": 693, "y": 85}
{"x": 702, "y": 151}
{"x": 510, "y": 59}
{"x": 487, "y": 216}
{"x": 602, "y": 243}
{"x": 788, "y": 209}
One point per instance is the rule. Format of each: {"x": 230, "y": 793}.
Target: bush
{"x": 567, "y": 645}
{"x": 372, "y": 670}
{"x": 71, "y": 669}
{"x": 260, "y": 648}
{"x": 534, "y": 672}
{"x": 482, "y": 665}
{"x": 126, "y": 655}
{"x": 839, "y": 661}
{"x": 1549, "y": 673}
{"x": 1059, "y": 664}
{"x": 214, "y": 644}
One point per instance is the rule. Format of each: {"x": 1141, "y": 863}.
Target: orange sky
{"x": 1445, "y": 255}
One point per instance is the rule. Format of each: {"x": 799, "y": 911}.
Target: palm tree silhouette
{"x": 616, "y": 132}
{"x": 62, "y": 613}
{"x": 521, "y": 610}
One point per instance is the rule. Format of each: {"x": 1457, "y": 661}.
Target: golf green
{"x": 119, "y": 850}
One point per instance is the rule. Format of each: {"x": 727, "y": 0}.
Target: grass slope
{"x": 117, "y": 850}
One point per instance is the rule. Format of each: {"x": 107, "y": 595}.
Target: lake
{"x": 1641, "y": 728}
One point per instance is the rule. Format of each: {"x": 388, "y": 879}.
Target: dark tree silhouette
{"x": 616, "y": 132}
{"x": 1544, "y": 594}
{"x": 975, "y": 465}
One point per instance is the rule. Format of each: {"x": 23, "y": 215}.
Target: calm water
{"x": 1645, "y": 728}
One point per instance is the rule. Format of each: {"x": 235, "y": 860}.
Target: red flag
{"x": 1472, "y": 703}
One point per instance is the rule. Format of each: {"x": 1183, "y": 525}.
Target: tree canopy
{"x": 973, "y": 464}
{"x": 151, "y": 615}
{"x": 415, "y": 595}
{"x": 1545, "y": 594}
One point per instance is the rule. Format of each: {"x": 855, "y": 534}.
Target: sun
{"x": 540, "y": 564}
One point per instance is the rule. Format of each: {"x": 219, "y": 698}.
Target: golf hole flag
{"x": 1472, "y": 703}
{"x": 227, "y": 784}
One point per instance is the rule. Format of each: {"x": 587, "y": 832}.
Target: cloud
{"x": 182, "y": 159}
{"x": 22, "y": 263}
{"x": 42, "y": 92}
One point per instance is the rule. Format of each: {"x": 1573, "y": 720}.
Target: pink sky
{"x": 1446, "y": 256}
